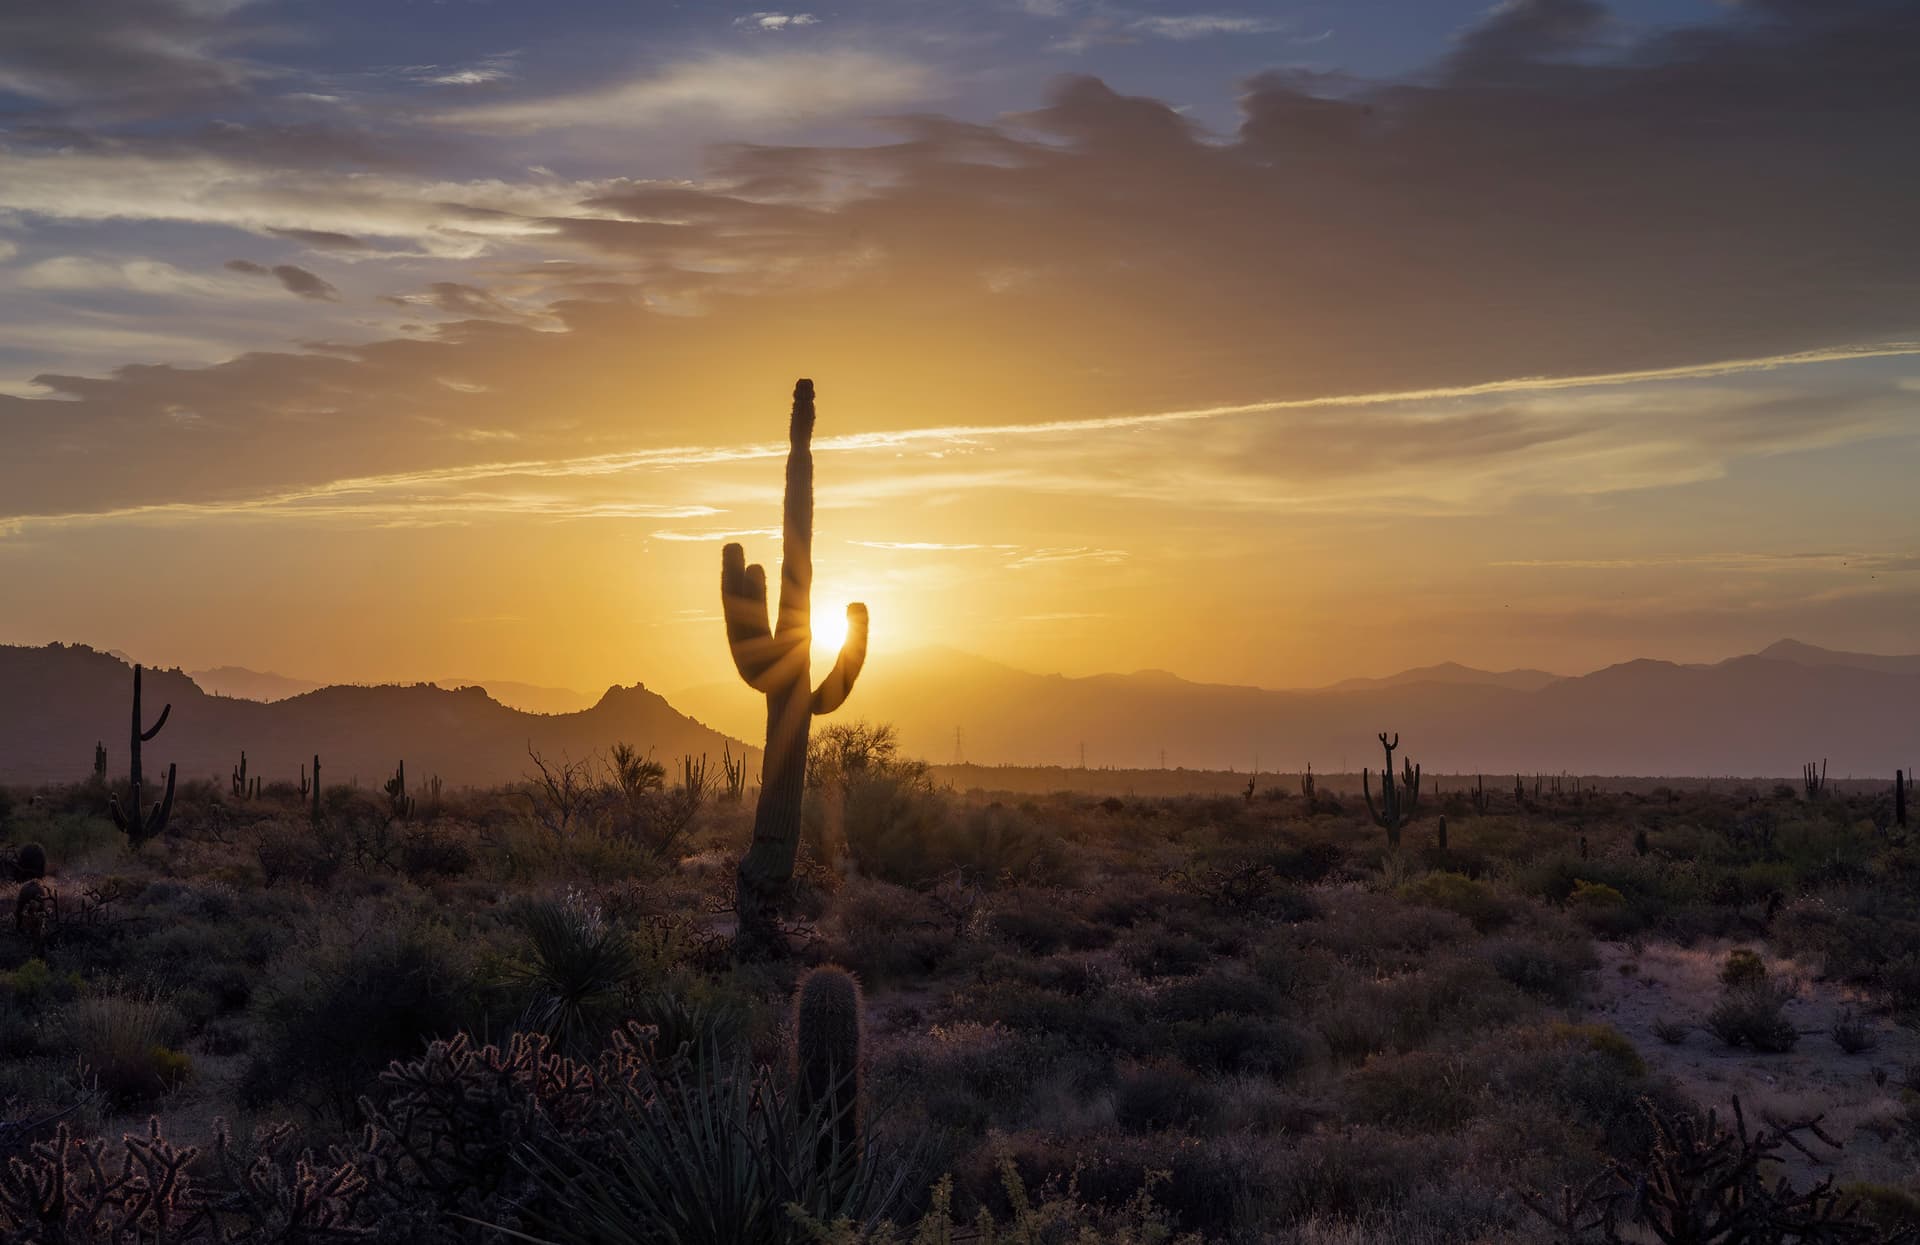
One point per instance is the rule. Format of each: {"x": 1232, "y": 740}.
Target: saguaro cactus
{"x": 1900, "y": 784}
{"x": 100, "y": 762}
{"x": 775, "y": 660}
{"x": 243, "y": 789}
{"x": 316, "y": 789}
{"x": 136, "y": 827}
{"x": 1814, "y": 779}
{"x": 399, "y": 803}
{"x": 827, "y": 1064}
{"x": 1396, "y": 803}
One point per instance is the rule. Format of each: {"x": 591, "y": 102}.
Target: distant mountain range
{"x": 1763, "y": 714}
{"x": 244, "y": 684}
{"x": 56, "y": 702}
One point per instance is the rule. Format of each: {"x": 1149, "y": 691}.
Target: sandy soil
{"x": 1858, "y": 1095}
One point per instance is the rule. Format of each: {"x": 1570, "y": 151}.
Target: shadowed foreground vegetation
{"x": 417, "y": 1014}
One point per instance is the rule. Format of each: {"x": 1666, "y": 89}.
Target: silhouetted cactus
{"x": 136, "y": 827}
{"x": 1900, "y": 784}
{"x": 1480, "y": 801}
{"x": 316, "y": 789}
{"x": 1519, "y": 791}
{"x": 303, "y": 781}
{"x": 100, "y": 762}
{"x": 828, "y": 1033}
{"x": 735, "y": 773}
{"x": 1397, "y": 804}
{"x": 399, "y": 803}
{"x": 1440, "y": 834}
{"x": 775, "y": 660}
{"x": 1814, "y": 780}
{"x": 243, "y": 788}
{"x": 1306, "y": 784}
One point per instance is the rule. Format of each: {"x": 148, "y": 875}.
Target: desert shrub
{"x": 124, "y": 1044}
{"x": 1355, "y": 1172}
{"x": 431, "y": 854}
{"x": 888, "y": 933}
{"x": 1424, "y": 1091}
{"x": 34, "y": 985}
{"x": 1098, "y": 1023}
{"x": 1752, "y": 1014}
{"x": 1162, "y": 953}
{"x": 1379, "y": 933}
{"x": 1042, "y": 925}
{"x": 334, "y": 1018}
{"x": 1405, "y": 1012}
{"x": 1197, "y": 1184}
{"x": 1157, "y": 1096}
{"x": 1478, "y": 902}
{"x": 65, "y": 837}
{"x": 1743, "y": 967}
{"x": 292, "y": 852}
{"x": 1217, "y": 993}
{"x": 1671, "y": 1032}
{"x": 893, "y": 826}
{"x": 1852, "y": 1034}
{"x": 1273, "y": 1048}
{"x": 1554, "y": 971}
{"x": 993, "y": 840}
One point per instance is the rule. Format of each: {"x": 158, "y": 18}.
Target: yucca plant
{"x": 576, "y": 967}
{"x": 711, "y": 1153}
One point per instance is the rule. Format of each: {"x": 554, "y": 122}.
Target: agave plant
{"x": 576, "y": 967}
{"x": 710, "y": 1154}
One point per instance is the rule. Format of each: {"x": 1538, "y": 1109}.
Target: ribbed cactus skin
{"x": 828, "y": 1071}
{"x": 775, "y": 660}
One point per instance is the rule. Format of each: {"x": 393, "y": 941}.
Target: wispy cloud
{"x": 779, "y": 87}
{"x": 776, "y": 21}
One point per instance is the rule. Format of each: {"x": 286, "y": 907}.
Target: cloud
{"x": 1539, "y": 204}
{"x": 294, "y": 279}
{"x": 780, "y": 87}
{"x": 1202, "y": 25}
{"x": 137, "y": 276}
{"x": 776, "y": 21}
{"x": 73, "y": 51}
{"x": 320, "y": 239}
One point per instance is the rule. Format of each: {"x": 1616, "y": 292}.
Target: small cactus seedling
{"x": 775, "y": 660}
{"x": 137, "y": 827}
{"x": 1397, "y": 804}
{"x": 828, "y": 1034}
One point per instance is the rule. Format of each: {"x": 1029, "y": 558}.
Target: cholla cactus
{"x": 1396, "y": 805}
{"x": 132, "y": 823}
{"x": 774, "y": 659}
{"x": 827, "y": 1062}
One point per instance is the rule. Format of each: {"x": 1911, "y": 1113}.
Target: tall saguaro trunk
{"x": 136, "y": 826}
{"x": 775, "y": 660}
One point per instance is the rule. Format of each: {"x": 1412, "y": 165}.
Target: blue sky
{"x": 1593, "y": 321}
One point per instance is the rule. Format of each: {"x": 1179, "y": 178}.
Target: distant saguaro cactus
{"x": 132, "y": 823}
{"x": 827, "y": 1063}
{"x": 399, "y": 803}
{"x": 735, "y": 772}
{"x": 775, "y": 660}
{"x": 100, "y": 762}
{"x": 243, "y": 789}
{"x": 1900, "y": 784}
{"x": 1814, "y": 780}
{"x": 316, "y": 789}
{"x": 1396, "y": 803}
{"x": 1306, "y": 784}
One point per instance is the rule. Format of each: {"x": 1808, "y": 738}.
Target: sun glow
{"x": 829, "y": 628}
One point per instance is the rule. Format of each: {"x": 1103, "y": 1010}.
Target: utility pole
{"x": 959, "y": 756}
{"x": 1083, "y": 754}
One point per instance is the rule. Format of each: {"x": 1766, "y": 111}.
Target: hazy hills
{"x": 55, "y": 702}
{"x": 245, "y": 684}
{"x": 1760, "y": 714}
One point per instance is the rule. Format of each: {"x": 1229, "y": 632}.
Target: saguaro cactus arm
{"x": 833, "y": 690}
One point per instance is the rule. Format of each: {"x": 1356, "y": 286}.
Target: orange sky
{"x": 1518, "y": 354}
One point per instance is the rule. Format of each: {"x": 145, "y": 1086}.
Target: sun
{"x": 829, "y": 627}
